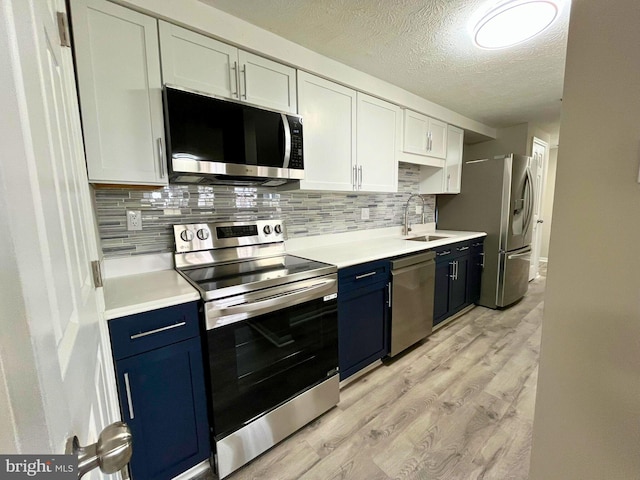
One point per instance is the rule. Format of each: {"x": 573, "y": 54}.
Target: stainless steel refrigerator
{"x": 496, "y": 197}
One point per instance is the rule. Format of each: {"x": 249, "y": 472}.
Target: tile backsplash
{"x": 304, "y": 213}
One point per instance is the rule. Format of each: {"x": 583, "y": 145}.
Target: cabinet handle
{"x": 448, "y": 182}
{"x": 456, "y": 269}
{"x": 364, "y": 275}
{"x": 244, "y": 75}
{"x": 157, "y": 330}
{"x": 127, "y": 387}
{"x": 235, "y": 77}
{"x": 482, "y": 264}
{"x": 453, "y": 270}
{"x": 360, "y": 177}
{"x": 161, "y": 157}
{"x": 354, "y": 177}
{"x": 389, "y": 288}
{"x": 446, "y": 252}
{"x": 462, "y": 249}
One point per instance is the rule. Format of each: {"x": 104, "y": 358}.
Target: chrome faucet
{"x": 407, "y": 227}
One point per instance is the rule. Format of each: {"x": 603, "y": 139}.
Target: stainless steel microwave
{"x": 211, "y": 140}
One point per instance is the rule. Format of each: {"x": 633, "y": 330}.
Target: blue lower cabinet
{"x": 163, "y": 400}
{"x": 363, "y": 316}
{"x": 458, "y": 276}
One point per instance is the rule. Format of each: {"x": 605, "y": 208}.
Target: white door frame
{"x": 38, "y": 380}
{"x": 540, "y": 177}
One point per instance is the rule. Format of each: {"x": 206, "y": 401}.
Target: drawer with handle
{"x": 447, "y": 252}
{"x": 363, "y": 274}
{"x": 149, "y": 330}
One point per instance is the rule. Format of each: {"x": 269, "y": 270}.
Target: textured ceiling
{"x": 424, "y": 46}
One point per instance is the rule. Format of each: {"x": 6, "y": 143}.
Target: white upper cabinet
{"x": 267, "y": 83}
{"x": 329, "y": 127}
{"x": 453, "y": 165}
{"x": 445, "y": 179}
{"x": 118, "y": 67}
{"x": 424, "y": 135}
{"x": 378, "y": 130}
{"x": 197, "y": 62}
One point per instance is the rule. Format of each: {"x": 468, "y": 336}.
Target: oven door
{"x": 266, "y": 347}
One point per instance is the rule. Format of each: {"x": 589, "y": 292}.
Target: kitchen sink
{"x": 427, "y": 238}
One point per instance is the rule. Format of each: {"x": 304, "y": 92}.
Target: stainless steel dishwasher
{"x": 412, "y": 290}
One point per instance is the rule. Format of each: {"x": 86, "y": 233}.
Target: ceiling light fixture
{"x": 513, "y": 22}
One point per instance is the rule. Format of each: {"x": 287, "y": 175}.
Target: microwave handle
{"x": 287, "y": 140}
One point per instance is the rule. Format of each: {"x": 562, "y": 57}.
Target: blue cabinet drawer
{"x": 149, "y": 330}
{"x": 453, "y": 250}
{"x": 364, "y": 274}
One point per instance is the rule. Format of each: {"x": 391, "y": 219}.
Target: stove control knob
{"x": 278, "y": 229}
{"x": 267, "y": 229}
{"x": 203, "y": 234}
{"x": 186, "y": 235}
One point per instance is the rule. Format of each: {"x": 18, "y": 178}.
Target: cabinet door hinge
{"x": 63, "y": 29}
{"x": 96, "y": 269}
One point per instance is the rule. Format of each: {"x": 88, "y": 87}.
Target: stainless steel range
{"x": 272, "y": 334}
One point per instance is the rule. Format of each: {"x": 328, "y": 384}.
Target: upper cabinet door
{"x": 198, "y": 62}
{"x": 437, "y": 139}
{"x": 378, "y": 144}
{"x": 329, "y": 114}
{"x": 424, "y": 135}
{"x": 453, "y": 166}
{"x": 267, "y": 83}
{"x": 416, "y": 127}
{"x": 118, "y": 64}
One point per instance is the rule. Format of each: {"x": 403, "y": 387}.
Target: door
{"x": 437, "y": 138}
{"x": 329, "y": 114}
{"x": 378, "y": 134}
{"x": 416, "y": 128}
{"x": 197, "y": 62}
{"x": 118, "y": 62}
{"x": 513, "y": 276}
{"x": 267, "y": 83}
{"x": 453, "y": 167}
{"x": 521, "y": 201}
{"x": 55, "y": 309}
{"x": 538, "y": 168}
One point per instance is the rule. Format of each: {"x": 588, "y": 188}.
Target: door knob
{"x": 110, "y": 453}
{"x": 540, "y": 221}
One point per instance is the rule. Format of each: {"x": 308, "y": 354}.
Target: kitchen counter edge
{"x": 143, "y": 292}
{"x": 348, "y": 253}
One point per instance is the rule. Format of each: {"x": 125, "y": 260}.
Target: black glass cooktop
{"x": 252, "y": 274}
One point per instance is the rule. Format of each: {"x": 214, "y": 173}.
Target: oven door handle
{"x": 218, "y": 314}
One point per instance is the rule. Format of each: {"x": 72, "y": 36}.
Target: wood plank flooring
{"x": 457, "y": 406}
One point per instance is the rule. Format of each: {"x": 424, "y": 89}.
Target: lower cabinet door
{"x": 475, "y": 272}
{"x": 458, "y": 285}
{"x": 162, "y": 396}
{"x": 363, "y": 328}
{"x": 441, "y": 297}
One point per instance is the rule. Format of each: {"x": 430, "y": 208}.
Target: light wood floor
{"x": 458, "y": 406}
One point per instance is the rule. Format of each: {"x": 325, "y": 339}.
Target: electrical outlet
{"x": 134, "y": 220}
{"x": 364, "y": 214}
{"x": 418, "y": 209}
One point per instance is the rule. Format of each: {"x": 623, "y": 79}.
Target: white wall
{"x": 515, "y": 139}
{"x": 547, "y": 201}
{"x": 587, "y": 419}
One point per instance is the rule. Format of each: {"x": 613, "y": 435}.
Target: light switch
{"x": 364, "y": 214}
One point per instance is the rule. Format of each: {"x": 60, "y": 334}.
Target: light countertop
{"x": 131, "y": 294}
{"x": 141, "y": 292}
{"x": 366, "y": 246}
